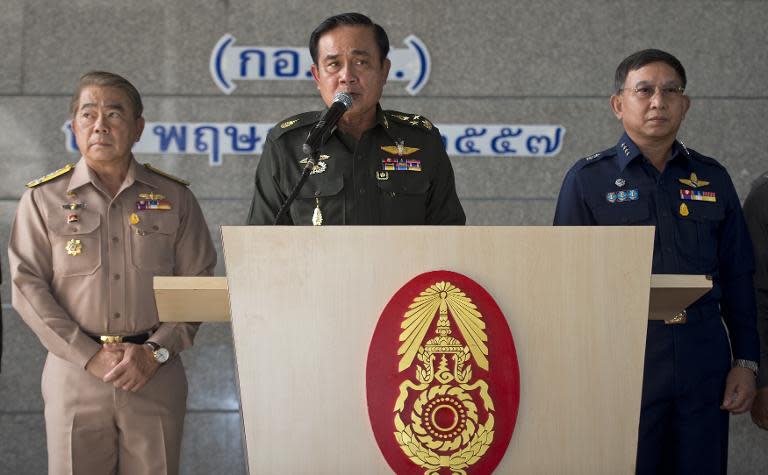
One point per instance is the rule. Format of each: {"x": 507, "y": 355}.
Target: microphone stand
{"x": 312, "y": 156}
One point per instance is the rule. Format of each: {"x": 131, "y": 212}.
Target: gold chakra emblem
{"x": 74, "y": 247}
{"x": 446, "y": 428}
{"x": 684, "y": 209}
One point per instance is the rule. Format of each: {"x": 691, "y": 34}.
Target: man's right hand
{"x": 102, "y": 362}
{"x": 760, "y": 409}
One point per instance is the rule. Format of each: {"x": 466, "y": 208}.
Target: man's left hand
{"x": 740, "y": 390}
{"x": 135, "y": 370}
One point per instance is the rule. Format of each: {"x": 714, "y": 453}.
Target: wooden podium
{"x": 305, "y": 301}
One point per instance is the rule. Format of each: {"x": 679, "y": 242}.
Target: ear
{"x": 387, "y": 65}
{"x": 315, "y": 74}
{"x": 686, "y": 105}
{"x": 139, "y": 128}
{"x": 617, "y": 106}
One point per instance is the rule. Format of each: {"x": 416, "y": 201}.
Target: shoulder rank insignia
{"x": 288, "y": 123}
{"x": 400, "y": 149}
{"x": 414, "y": 120}
{"x": 592, "y": 157}
{"x": 167, "y": 175}
{"x": 51, "y": 176}
{"x": 693, "y": 181}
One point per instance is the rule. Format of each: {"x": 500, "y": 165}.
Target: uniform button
{"x": 116, "y": 315}
{"x": 155, "y": 228}
{"x": 74, "y": 230}
{"x": 113, "y": 206}
{"x": 116, "y": 276}
{"x": 362, "y": 191}
{"x": 115, "y": 239}
{"x": 317, "y": 193}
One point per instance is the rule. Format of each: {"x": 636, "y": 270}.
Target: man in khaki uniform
{"x": 84, "y": 247}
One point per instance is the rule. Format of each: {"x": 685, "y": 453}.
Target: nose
{"x": 658, "y": 98}
{"x": 347, "y": 75}
{"x": 100, "y": 125}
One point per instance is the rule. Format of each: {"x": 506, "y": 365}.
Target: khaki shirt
{"x": 93, "y": 275}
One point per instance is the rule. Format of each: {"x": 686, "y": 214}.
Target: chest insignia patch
{"x": 694, "y": 181}
{"x": 620, "y": 182}
{"x": 73, "y": 206}
{"x": 400, "y": 149}
{"x": 400, "y": 164}
{"x": 74, "y": 247}
{"x": 72, "y": 218}
{"x": 622, "y": 196}
{"x": 684, "y": 210}
{"x": 698, "y": 195}
{"x": 321, "y": 166}
{"x": 134, "y": 219}
{"x": 152, "y": 201}
{"x": 382, "y": 176}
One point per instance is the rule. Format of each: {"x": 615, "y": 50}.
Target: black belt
{"x": 139, "y": 339}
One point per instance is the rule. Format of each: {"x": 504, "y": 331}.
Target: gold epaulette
{"x": 167, "y": 175}
{"x": 51, "y": 176}
{"x": 411, "y": 119}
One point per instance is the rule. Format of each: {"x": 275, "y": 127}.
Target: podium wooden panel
{"x": 305, "y": 301}
{"x": 192, "y": 299}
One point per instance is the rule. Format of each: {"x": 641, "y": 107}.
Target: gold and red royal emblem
{"x": 442, "y": 378}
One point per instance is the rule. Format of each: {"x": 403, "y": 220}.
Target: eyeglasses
{"x": 647, "y": 92}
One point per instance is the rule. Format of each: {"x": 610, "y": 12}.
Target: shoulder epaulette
{"x": 413, "y": 120}
{"x": 708, "y": 160}
{"x": 51, "y": 176}
{"x": 167, "y": 175}
{"x": 597, "y": 156}
{"x": 295, "y": 122}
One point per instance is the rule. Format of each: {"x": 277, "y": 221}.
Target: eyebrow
{"x": 668, "y": 83}
{"x": 111, "y": 105}
{"x": 355, "y": 52}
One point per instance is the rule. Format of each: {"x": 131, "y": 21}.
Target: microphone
{"x": 341, "y": 103}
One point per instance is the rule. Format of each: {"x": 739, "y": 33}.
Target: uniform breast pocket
{"x": 76, "y": 247}
{"x": 623, "y": 214}
{"x": 403, "y": 199}
{"x": 698, "y": 233}
{"x": 323, "y": 192}
{"x": 152, "y": 242}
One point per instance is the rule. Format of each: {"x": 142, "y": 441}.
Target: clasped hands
{"x": 126, "y": 365}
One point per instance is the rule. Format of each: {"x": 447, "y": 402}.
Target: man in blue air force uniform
{"x": 697, "y": 370}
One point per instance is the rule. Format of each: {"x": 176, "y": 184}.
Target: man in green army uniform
{"x": 376, "y": 166}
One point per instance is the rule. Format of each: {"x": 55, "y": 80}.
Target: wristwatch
{"x": 749, "y": 364}
{"x": 161, "y": 354}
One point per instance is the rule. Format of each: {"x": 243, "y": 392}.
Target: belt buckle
{"x": 107, "y": 339}
{"x": 678, "y": 319}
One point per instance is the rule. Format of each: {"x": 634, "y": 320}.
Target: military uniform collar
{"x": 84, "y": 175}
{"x": 626, "y": 151}
{"x": 381, "y": 119}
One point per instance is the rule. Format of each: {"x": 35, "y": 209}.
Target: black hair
{"x": 349, "y": 19}
{"x": 637, "y": 60}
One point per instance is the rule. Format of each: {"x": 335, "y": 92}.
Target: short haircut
{"x": 349, "y": 19}
{"x": 105, "y": 79}
{"x": 637, "y": 60}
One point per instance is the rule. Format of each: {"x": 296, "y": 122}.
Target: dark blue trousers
{"x": 682, "y": 429}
